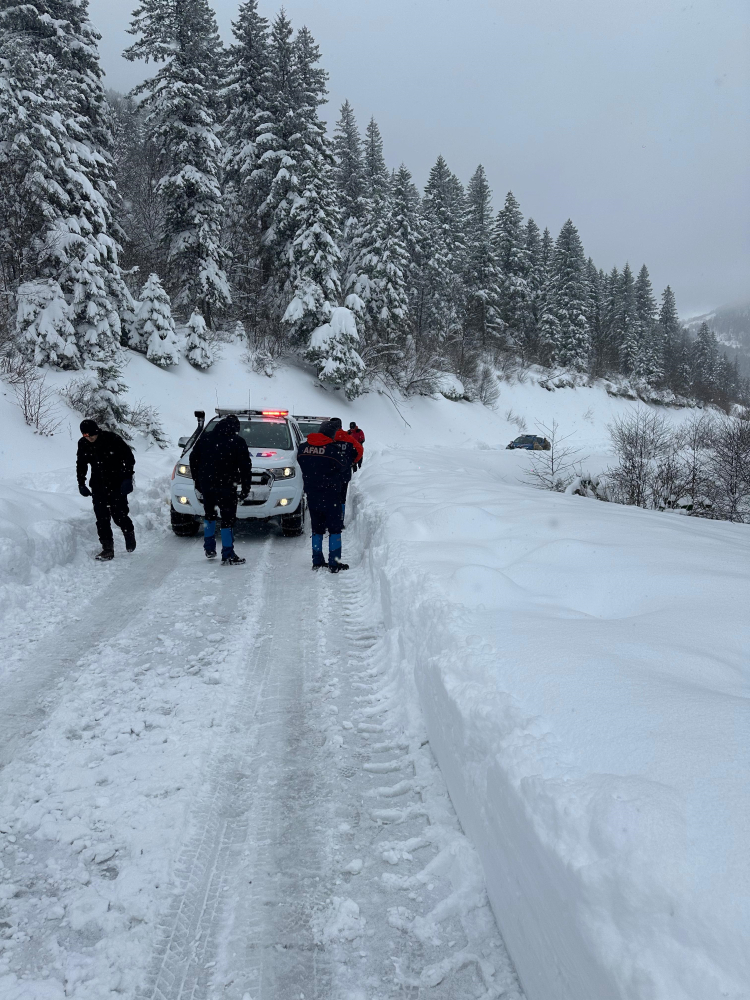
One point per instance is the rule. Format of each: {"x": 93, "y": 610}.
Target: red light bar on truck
{"x": 275, "y": 413}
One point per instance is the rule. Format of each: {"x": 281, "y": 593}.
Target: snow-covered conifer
{"x": 626, "y": 330}
{"x": 481, "y": 267}
{"x": 198, "y": 350}
{"x": 246, "y": 93}
{"x": 156, "y": 326}
{"x": 44, "y": 324}
{"x": 650, "y": 364}
{"x": 350, "y": 187}
{"x": 514, "y": 300}
{"x": 181, "y": 101}
{"x": 443, "y": 208}
{"x": 311, "y": 225}
{"x": 565, "y": 324}
{"x": 408, "y": 222}
{"x": 333, "y": 350}
{"x": 349, "y": 174}
{"x": 299, "y": 214}
{"x": 536, "y": 281}
{"x": 57, "y": 192}
{"x": 379, "y": 258}
{"x": 669, "y": 330}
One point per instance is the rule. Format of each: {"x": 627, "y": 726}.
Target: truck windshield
{"x": 266, "y": 434}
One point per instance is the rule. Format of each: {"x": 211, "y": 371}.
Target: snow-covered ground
{"x": 222, "y": 784}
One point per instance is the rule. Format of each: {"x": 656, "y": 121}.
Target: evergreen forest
{"x": 213, "y": 198}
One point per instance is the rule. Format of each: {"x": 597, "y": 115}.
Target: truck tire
{"x": 293, "y": 525}
{"x": 184, "y": 525}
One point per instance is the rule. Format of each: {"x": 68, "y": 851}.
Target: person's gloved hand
{"x": 126, "y": 487}
{"x": 244, "y": 494}
{"x": 84, "y": 491}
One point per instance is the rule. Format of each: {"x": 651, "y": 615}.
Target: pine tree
{"x": 197, "y": 347}
{"x": 350, "y": 178}
{"x": 705, "y": 365}
{"x": 299, "y": 214}
{"x": 565, "y": 323}
{"x": 379, "y": 257}
{"x": 333, "y": 350}
{"x": 443, "y": 217}
{"x": 536, "y": 281}
{"x": 650, "y": 364}
{"x": 155, "y": 324}
{"x": 181, "y": 101}
{"x": 514, "y": 304}
{"x": 246, "y": 92}
{"x": 408, "y": 223}
{"x": 595, "y": 281}
{"x": 481, "y": 266}
{"x": 43, "y": 323}
{"x": 669, "y": 332}
{"x": 350, "y": 187}
{"x": 57, "y": 194}
{"x": 375, "y": 171}
{"x": 313, "y": 223}
{"x": 626, "y": 329}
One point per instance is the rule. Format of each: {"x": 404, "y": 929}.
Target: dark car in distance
{"x": 530, "y": 442}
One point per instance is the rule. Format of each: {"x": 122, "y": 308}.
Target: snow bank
{"x": 37, "y": 531}
{"x": 583, "y": 672}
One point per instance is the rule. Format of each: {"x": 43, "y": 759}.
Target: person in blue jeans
{"x": 219, "y": 462}
{"x": 325, "y": 464}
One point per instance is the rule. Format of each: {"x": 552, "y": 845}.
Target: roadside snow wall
{"x": 582, "y": 669}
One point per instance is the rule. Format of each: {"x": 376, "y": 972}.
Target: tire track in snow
{"x": 326, "y": 861}
{"x": 179, "y": 966}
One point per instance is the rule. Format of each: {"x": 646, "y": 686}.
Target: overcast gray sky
{"x": 630, "y": 118}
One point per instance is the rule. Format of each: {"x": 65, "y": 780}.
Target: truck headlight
{"x": 286, "y": 473}
{"x": 183, "y": 470}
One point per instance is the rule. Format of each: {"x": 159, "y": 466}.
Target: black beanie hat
{"x": 352, "y": 424}
{"x": 229, "y": 425}
{"x": 89, "y": 427}
{"x": 336, "y": 421}
{"x": 329, "y": 428}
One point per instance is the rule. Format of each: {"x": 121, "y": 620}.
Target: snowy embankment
{"x": 582, "y": 668}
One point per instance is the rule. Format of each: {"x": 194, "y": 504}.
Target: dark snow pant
{"x": 226, "y": 501}
{"x": 110, "y": 507}
{"x": 327, "y": 515}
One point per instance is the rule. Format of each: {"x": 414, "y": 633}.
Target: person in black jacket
{"x": 112, "y": 463}
{"x": 219, "y": 462}
{"x": 325, "y": 465}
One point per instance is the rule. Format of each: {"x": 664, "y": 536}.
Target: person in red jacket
{"x": 359, "y": 435}
{"x": 341, "y": 435}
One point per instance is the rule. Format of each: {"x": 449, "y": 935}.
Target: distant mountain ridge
{"x": 731, "y": 324}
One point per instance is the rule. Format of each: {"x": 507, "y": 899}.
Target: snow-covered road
{"x": 215, "y": 784}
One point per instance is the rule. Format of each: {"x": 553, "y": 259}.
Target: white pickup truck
{"x": 272, "y": 437}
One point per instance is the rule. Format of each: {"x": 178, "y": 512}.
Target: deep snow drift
{"x": 583, "y": 671}
{"x": 579, "y": 666}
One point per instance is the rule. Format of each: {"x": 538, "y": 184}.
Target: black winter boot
{"x": 105, "y": 555}
{"x": 337, "y": 567}
{"x": 233, "y": 560}
{"x": 129, "y": 541}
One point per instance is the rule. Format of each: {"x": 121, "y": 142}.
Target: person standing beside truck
{"x": 219, "y": 463}
{"x": 359, "y": 436}
{"x": 355, "y": 455}
{"x": 325, "y": 463}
